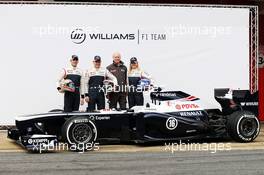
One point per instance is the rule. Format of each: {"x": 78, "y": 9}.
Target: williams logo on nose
{"x": 78, "y": 36}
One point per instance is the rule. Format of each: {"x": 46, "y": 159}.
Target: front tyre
{"x": 80, "y": 133}
{"x": 243, "y": 126}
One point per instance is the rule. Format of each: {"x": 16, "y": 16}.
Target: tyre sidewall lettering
{"x": 76, "y": 121}
{"x": 238, "y": 128}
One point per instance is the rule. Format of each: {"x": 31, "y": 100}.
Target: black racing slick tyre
{"x": 80, "y": 133}
{"x": 243, "y": 126}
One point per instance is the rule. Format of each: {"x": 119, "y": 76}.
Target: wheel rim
{"x": 248, "y": 127}
{"x": 81, "y": 133}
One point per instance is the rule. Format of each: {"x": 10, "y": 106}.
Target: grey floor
{"x": 200, "y": 162}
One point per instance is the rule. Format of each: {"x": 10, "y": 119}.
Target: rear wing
{"x": 243, "y": 98}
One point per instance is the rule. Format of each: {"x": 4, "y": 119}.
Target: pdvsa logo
{"x": 78, "y": 36}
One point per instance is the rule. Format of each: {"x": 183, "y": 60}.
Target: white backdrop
{"x": 205, "y": 48}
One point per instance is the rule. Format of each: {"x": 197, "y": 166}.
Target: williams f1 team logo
{"x": 78, "y": 36}
{"x": 171, "y": 123}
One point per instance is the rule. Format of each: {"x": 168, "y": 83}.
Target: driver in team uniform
{"x": 73, "y": 74}
{"x": 93, "y": 82}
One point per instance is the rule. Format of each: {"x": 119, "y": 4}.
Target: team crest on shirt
{"x": 137, "y": 74}
{"x": 101, "y": 73}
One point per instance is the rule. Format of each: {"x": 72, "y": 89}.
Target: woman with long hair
{"x": 135, "y": 76}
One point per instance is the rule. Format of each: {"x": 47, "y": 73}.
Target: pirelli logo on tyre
{"x": 84, "y": 120}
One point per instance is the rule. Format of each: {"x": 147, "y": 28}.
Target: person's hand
{"x": 151, "y": 87}
{"x": 59, "y": 90}
{"x": 82, "y": 101}
{"x": 87, "y": 99}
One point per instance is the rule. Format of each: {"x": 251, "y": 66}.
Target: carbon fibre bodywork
{"x": 172, "y": 115}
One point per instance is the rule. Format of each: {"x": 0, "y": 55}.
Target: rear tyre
{"x": 243, "y": 126}
{"x": 80, "y": 133}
